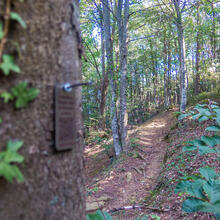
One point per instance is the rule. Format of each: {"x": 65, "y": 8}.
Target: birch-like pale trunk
{"x": 183, "y": 92}
{"x": 169, "y": 88}
{"x": 110, "y": 72}
{"x": 198, "y": 48}
{"x": 105, "y": 81}
{"x": 123, "y": 35}
{"x": 213, "y": 32}
{"x": 182, "y": 68}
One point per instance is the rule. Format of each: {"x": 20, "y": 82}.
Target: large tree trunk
{"x": 49, "y": 54}
{"x": 110, "y": 71}
{"x": 122, "y": 30}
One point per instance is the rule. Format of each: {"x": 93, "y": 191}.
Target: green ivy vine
{"x": 7, "y": 159}
{"x": 20, "y": 94}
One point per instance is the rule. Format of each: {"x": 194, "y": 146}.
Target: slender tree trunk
{"x": 122, "y": 30}
{"x": 165, "y": 73}
{"x": 104, "y": 77}
{"x": 183, "y": 92}
{"x": 198, "y": 48}
{"x": 105, "y": 82}
{"x": 213, "y": 33}
{"x": 169, "y": 89}
{"x": 177, "y": 89}
{"x": 154, "y": 74}
{"x": 50, "y": 52}
{"x": 110, "y": 71}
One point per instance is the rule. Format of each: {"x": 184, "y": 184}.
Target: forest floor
{"x": 147, "y": 174}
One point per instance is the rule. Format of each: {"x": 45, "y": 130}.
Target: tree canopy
{"x": 166, "y": 55}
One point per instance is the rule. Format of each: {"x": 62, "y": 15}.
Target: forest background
{"x": 145, "y": 56}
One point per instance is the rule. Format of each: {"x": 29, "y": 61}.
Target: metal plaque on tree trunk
{"x": 64, "y": 118}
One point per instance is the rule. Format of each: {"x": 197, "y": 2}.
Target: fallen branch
{"x": 137, "y": 170}
{"x": 137, "y": 207}
{"x": 125, "y": 208}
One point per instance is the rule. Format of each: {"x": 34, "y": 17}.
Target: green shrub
{"x": 204, "y": 191}
{"x": 99, "y": 215}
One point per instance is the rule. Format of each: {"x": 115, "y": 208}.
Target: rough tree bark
{"x": 110, "y": 71}
{"x": 123, "y": 37}
{"x": 49, "y": 53}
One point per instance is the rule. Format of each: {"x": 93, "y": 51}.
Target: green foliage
{"x": 134, "y": 143}
{"x": 99, "y": 215}
{"x": 200, "y": 112}
{"x": 18, "y": 18}
{"x": 95, "y": 189}
{"x": 102, "y": 215}
{"x": 176, "y": 114}
{"x": 182, "y": 116}
{"x": 6, "y": 96}
{"x": 23, "y": 94}
{"x": 146, "y": 217}
{"x": 213, "y": 128}
{"x": 207, "y": 144}
{"x": 107, "y": 147}
{"x": 7, "y": 159}
{"x": 203, "y": 115}
{"x": 142, "y": 218}
{"x": 204, "y": 192}
{"x": 155, "y": 217}
{"x": 203, "y": 97}
{"x": 8, "y": 65}
{"x": 1, "y": 31}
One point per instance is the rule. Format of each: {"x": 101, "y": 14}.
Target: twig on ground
{"x": 137, "y": 170}
{"x": 137, "y": 207}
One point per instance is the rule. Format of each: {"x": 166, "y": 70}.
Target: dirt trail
{"x": 133, "y": 176}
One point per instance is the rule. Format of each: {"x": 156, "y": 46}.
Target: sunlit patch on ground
{"x": 94, "y": 150}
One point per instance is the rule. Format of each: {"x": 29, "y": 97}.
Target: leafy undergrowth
{"x": 204, "y": 96}
{"x": 178, "y": 166}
